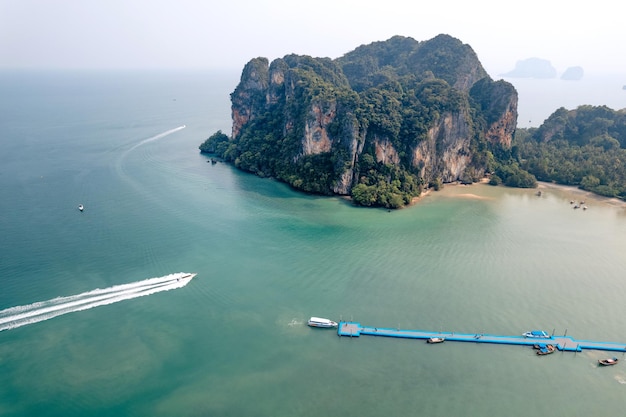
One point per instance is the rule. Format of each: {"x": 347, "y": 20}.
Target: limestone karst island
{"x": 380, "y": 124}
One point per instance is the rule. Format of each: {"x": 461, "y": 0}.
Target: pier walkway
{"x": 562, "y": 343}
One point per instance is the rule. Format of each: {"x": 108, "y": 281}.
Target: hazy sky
{"x": 228, "y": 33}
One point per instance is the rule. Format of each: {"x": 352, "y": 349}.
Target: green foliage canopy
{"x": 583, "y": 147}
{"x": 386, "y": 92}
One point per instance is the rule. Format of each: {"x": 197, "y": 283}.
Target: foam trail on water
{"x": 159, "y": 136}
{"x": 18, "y": 316}
{"x": 119, "y": 165}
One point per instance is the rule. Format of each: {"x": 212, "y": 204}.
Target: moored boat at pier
{"x": 538, "y": 334}
{"x": 321, "y": 322}
{"x": 608, "y": 361}
{"x": 545, "y": 349}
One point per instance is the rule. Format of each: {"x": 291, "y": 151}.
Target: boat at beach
{"x": 608, "y": 361}
{"x": 539, "y": 334}
{"x": 321, "y": 322}
{"x": 435, "y": 340}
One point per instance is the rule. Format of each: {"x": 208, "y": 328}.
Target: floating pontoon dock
{"x": 562, "y": 343}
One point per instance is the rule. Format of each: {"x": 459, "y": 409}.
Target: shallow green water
{"x": 233, "y": 341}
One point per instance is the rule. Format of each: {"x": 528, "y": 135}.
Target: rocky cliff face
{"x": 501, "y": 131}
{"x": 404, "y": 117}
{"x": 316, "y": 136}
{"x": 249, "y": 97}
{"x": 451, "y": 134}
{"x": 498, "y": 102}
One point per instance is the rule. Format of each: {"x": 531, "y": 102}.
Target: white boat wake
{"x": 119, "y": 164}
{"x": 156, "y": 137}
{"x": 14, "y": 317}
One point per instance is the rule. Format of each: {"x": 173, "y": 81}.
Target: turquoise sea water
{"x": 233, "y": 342}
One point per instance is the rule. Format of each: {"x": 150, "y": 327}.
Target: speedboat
{"x": 187, "y": 277}
{"x": 608, "y": 361}
{"x": 435, "y": 340}
{"x": 321, "y": 322}
{"x": 81, "y": 207}
{"x": 538, "y": 334}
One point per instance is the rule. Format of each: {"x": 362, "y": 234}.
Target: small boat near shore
{"x": 608, "y": 361}
{"x": 435, "y": 340}
{"x": 321, "y": 322}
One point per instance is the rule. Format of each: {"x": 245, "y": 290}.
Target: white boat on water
{"x": 321, "y": 322}
{"x": 538, "y": 334}
{"x": 81, "y": 207}
{"x": 187, "y": 276}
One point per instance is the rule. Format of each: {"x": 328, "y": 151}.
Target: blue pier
{"x": 562, "y": 343}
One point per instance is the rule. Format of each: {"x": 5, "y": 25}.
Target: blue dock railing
{"x": 562, "y": 343}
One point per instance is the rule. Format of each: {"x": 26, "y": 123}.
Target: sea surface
{"x": 539, "y": 98}
{"x": 233, "y": 341}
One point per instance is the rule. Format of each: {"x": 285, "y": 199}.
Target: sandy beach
{"x": 571, "y": 192}
{"x": 581, "y": 195}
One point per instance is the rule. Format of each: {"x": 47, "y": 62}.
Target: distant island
{"x": 542, "y": 69}
{"x": 573, "y": 74}
{"x": 389, "y": 120}
{"x": 532, "y": 68}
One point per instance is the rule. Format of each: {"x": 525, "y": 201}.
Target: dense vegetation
{"x": 392, "y": 93}
{"x": 396, "y": 92}
{"x": 585, "y": 147}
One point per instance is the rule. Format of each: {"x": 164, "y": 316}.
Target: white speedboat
{"x": 81, "y": 207}
{"x": 538, "y": 334}
{"x": 435, "y": 340}
{"x": 320, "y": 322}
{"x": 187, "y": 277}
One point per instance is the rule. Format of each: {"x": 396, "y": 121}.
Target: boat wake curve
{"x": 119, "y": 164}
{"x": 155, "y": 137}
{"x": 18, "y": 316}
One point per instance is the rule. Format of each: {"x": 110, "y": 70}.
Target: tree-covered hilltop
{"x": 442, "y": 57}
{"x": 585, "y": 147}
{"x": 380, "y": 124}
